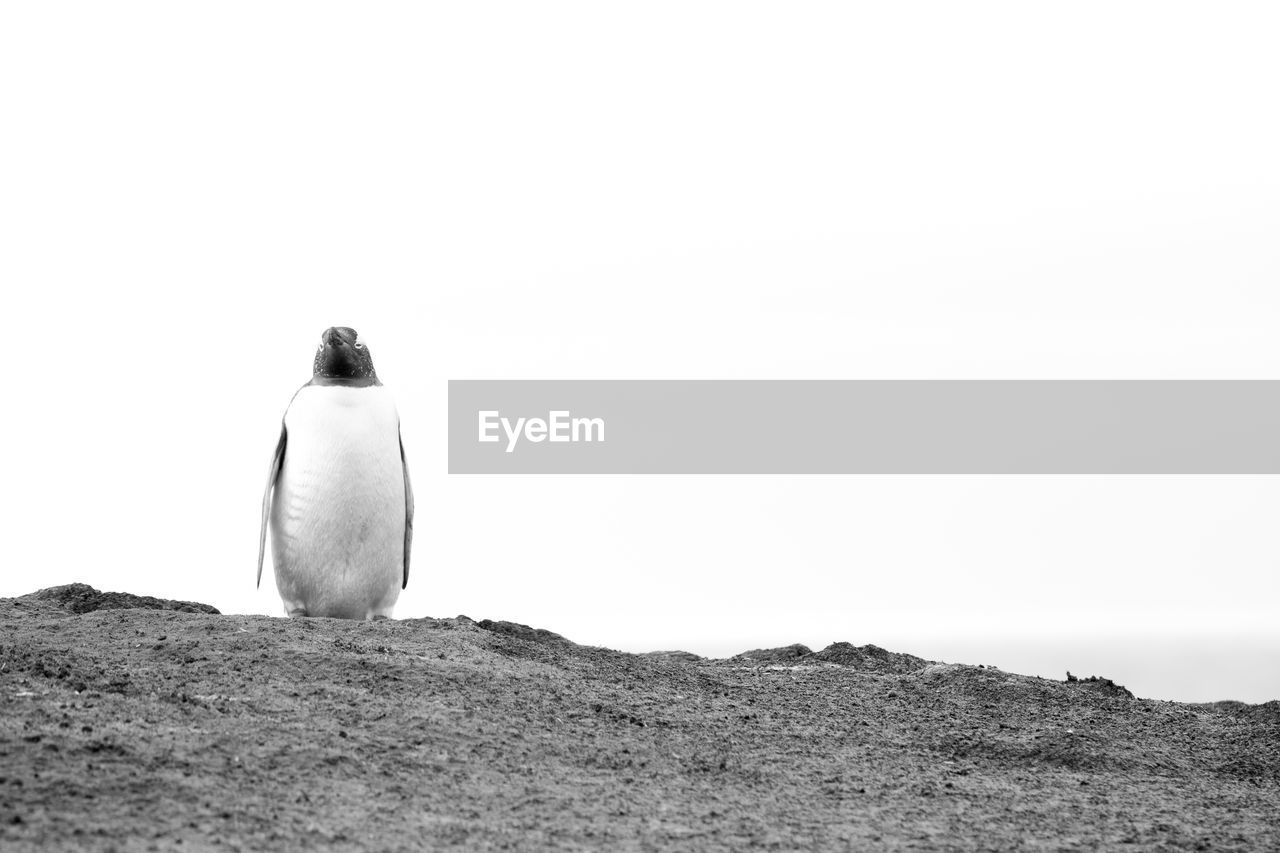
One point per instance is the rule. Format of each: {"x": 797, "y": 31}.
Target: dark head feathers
{"x": 342, "y": 359}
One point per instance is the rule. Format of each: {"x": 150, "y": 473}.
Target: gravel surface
{"x": 134, "y": 723}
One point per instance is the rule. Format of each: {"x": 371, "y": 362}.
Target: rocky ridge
{"x": 134, "y": 723}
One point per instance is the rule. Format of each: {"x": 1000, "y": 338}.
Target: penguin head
{"x": 342, "y": 356}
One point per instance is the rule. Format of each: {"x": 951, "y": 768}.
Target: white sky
{"x": 190, "y": 193}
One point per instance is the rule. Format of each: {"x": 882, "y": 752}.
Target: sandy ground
{"x": 153, "y": 728}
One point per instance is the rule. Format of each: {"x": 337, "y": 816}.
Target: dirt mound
{"x": 786, "y": 654}
{"x": 869, "y": 659}
{"x": 82, "y": 598}
{"x": 862, "y": 658}
{"x": 1266, "y": 712}
{"x": 524, "y": 632}
{"x": 134, "y": 729}
{"x": 1103, "y": 686}
{"x": 687, "y": 657}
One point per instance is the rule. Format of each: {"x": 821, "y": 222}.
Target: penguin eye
{"x": 358, "y": 344}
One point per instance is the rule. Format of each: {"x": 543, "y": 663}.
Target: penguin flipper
{"x": 277, "y": 463}
{"x": 408, "y": 513}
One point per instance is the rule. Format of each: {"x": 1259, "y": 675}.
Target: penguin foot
{"x": 298, "y": 613}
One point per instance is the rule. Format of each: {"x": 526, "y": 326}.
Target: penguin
{"x": 338, "y": 499}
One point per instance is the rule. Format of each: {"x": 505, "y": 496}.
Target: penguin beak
{"x": 332, "y": 337}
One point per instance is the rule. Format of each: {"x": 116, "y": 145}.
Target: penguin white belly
{"x": 338, "y": 516}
